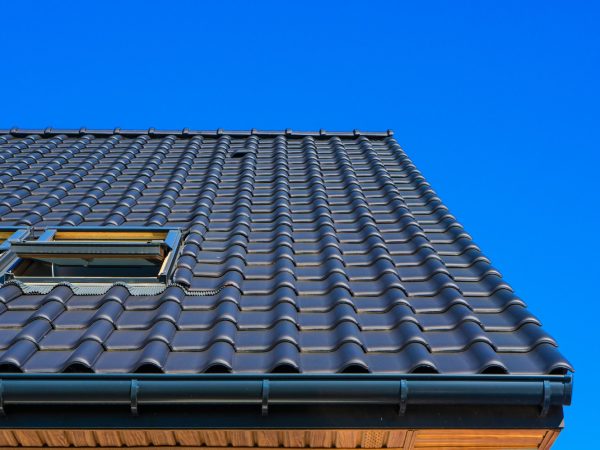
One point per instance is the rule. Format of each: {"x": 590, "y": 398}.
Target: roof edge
{"x": 187, "y": 132}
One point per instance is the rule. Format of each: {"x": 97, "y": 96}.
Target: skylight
{"x": 9, "y": 235}
{"x": 88, "y": 255}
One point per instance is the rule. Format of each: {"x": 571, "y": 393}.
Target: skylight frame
{"x": 8, "y": 236}
{"x": 156, "y": 243}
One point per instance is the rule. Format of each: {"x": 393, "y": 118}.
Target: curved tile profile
{"x": 544, "y": 358}
{"x": 14, "y": 358}
{"x": 217, "y": 358}
{"x": 284, "y": 357}
{"x": 349, "y": 357}
{"x": 68, "y": 339}
{"x": 413, "y": 358}
{"x": 332, "y": 339}
{"x": 9, "y": 292}
{"x": 133, "y": 339}
{"x": 479, "y": 357}
{"x": 315, "y": 253}
{"x": 80, "y": 359}
{"x": 224, "y": 331}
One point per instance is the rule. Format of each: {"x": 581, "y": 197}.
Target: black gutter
{"x": 138, "y": 390}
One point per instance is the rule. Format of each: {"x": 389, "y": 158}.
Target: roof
{"x": 307, "y": 252}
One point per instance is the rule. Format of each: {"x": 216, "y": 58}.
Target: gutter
{"x": 263, "y": 390}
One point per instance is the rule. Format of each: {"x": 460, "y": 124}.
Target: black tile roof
{"x": 325, "y": 252}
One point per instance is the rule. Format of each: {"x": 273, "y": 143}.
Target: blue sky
{"x": 496, "y": 102}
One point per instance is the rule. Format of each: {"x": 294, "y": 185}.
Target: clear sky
{"x": 497, "y": 103}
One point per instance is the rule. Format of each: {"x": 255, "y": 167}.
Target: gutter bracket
{"x": 403, "y": 397}
{"x": 547, "y": 393}
{"x": 133, "y": 393}
{"x": 265, "y": 397}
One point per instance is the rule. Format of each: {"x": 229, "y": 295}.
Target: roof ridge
{"x": 186, "y": 132}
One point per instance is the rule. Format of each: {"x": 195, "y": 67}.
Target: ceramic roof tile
{"x": 325, "y": 253}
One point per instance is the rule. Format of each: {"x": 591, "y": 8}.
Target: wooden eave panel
{"x": 314, "y": 439}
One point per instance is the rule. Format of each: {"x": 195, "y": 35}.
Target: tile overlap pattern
{"x": 324, "y": 254}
